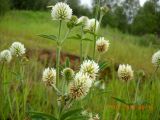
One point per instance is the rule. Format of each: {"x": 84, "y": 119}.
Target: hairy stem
{"x": 94, "y": 36}
{"x": 128, "y": 92}
{"x": 58, "y": 51}
{"x": 94, "y": 46}
{"x": 81, "y": 46}
{"x": 66, "y": 35}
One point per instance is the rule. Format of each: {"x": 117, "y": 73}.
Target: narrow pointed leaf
{"x": 70, "y": 113}
{"x": 51, "y": 37}
{"x": 103, "y": 65}
{"x": 76, "y": 117}
{"x": 67, "y": 64}
{"x": 74, "y": 37}
{"x": 41, "y": 116}
{"x": 120, "y": 100}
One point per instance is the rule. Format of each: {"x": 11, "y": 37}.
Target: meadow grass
{"x": 25, "y": 26}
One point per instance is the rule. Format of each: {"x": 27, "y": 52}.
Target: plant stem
{"x": 1, "y": 87}
{"x": 94, "y": 36}
{"x": 128, "y": 91}
{"x": 99, "y": 57}
{"x": 153, "y": 75}
{"x": 100, "y": 19}
{"x": 58, "y": 51}
{"x": 137, "y": 88}
{"x": 156, "y": 69}
{"x": 66, "y": 35}
{"x": 59, "y": 32}
{"x": 94, "y": 46}
{"x": 2, "y": 68}
{"x": 81, "y": 46}
{"x": 1, "y": 81}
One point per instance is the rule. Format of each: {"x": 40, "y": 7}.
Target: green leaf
{"x": 41, "y": 116}
{"x": 103, "y": 65}
{"x": 78, "y": 35}
{"x": 78, "y": 118}
{"x": 87, "y": 39}
{"x": 51, "y": 37}
{"x": 74, "y": 37}
{"x": 70, "y": 113}
{"x": 120, "y": 100}
{"x": 67, "y": 64}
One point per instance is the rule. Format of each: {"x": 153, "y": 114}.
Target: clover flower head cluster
{"x": 17, "y": 49}
{"x": 92, "y": 25}
{"x": 156, "y": 59}
{"x": 83, "y": 20}
{"x": 90, "y": 68}
{"x": 61, "y": 11}
{"x": 125, "y": 72}
{"x": 80, "y": 86}
{"x": 5, "y": 56}
{"x": 102, "y": 45}
{"x": 49, "y": 76}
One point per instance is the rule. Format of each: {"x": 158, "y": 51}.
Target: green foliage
{"x": 50, "y": 37}
{"x": 72, "y": 115}
{"x": 4, "y": 6}
{"x": 42, "y": 5}
{"x": 116, "y": 19}
{"x": 31, "y": 4}
{"x": 146, "y": 21}
{"x": 41, "y": 116}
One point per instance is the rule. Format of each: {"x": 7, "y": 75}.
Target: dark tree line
{"x": 42, "y": 5}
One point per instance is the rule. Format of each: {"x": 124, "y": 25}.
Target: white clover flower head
{"x": 5, "y": 56}
{"x": 83, "y": 20}
{"x": 80, "y": 86}
{"x": 92, "y": 25}
{"x": 102, "y": 45}
{"x": 156, "y": 59}
{"x": 49, "y": 76}
{"x": 17, "y": 49}
{"x": 68, "y": 74}
{"x": 125, "y": 72}
{"x": 61, "y": 11}
{"x": 90, "y": 68}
